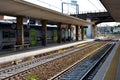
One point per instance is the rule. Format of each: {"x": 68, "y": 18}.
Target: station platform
{"x": 13, "y": 55}
{"x": 110, "y": 70}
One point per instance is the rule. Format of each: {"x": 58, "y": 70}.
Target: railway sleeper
{"x": 31, "y": 70}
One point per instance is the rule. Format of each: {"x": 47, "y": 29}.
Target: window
{"x": 5, "y": 34}
{"x": 12, "y": 34}
{"x": 26, "y": 33}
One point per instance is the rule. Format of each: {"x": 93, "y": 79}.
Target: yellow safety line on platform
{"x": 81, "y": 44}
{"x": 112, "y": 71}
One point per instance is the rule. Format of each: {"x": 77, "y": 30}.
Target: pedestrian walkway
{"x": 109, "y": 69}
{"x": 113, "y": 69}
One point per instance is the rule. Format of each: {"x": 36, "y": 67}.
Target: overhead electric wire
{"x": 93, "y": 4}
{"x": 56, "y": 7}
{"x": 51, "y": 5}
{"x": 101, "y": 5}
{"x": 48, "y": 4}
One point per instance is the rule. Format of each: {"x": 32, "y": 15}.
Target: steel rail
{"x": 96, "y": 64}
{"x": 62, "y": 73}
{"x": 14, "y": 70}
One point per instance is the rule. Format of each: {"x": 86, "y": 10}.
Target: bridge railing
{"x": 92, "y": 11}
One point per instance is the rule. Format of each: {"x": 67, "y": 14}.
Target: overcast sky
{"x": 84, "y": 5}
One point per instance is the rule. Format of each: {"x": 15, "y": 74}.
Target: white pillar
{"x": 89, "y": 32}
{"x": 73, "y": 32}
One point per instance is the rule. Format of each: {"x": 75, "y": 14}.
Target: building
{"x": 104, "y": 30}
{"x": 116, "y": 30}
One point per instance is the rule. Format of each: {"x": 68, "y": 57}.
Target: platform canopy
{"x": 23, "y": 8}
{"x": 113, "y": 6}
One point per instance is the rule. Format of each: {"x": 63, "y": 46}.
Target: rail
{"x": 96, "y": 64}
{"x": 62, "y": 73}
{"x": 11, "y": 71}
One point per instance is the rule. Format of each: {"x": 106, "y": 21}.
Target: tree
{"x": 118, "y": 25}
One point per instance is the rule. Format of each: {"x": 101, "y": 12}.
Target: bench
{"x": 20, "y": 46}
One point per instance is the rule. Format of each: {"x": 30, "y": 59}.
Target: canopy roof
{"x": 113, "y": 6}
{"x": 23, "y": 8}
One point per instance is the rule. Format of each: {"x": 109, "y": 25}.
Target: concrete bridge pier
{"x": 94, "y": 30}
{"x": 89, "y": 32}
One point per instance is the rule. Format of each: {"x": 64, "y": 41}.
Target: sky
{"x": 84, "y": 5}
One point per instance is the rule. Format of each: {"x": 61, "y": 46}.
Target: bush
{"x": 31, "y": 78}
{"x": 15, "y": 62}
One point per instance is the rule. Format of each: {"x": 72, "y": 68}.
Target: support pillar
{"x": 89, "y": 32}
{"x": 20, "y": 31}
{"x": 65, "y": 34}
{"x": 82, "y": 32}
{"x": 44, "y": 32}
{"x": 77, "y": 32}
{"x": 95, "y": 30}
{"x": 1, "y": 17}
{"x": 59, "y": 33}
{"x": 70, "y": 32}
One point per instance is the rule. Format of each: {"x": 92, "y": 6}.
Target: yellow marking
{"x": 92, "y": 52}
{"x": 81, "y": 45}
{"x": 112, "y": 71}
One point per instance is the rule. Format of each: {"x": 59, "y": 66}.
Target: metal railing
{"x": 92, "y": 11}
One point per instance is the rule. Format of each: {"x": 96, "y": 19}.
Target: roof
{"x": 113, "y": 7}
{"x": 23, "y": 8}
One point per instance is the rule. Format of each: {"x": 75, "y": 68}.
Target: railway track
{"x": 86, "y": 69}
{"x": 94, "y": 69}
{"x": 10, "y": 63}
{"x": 10, "y": 72}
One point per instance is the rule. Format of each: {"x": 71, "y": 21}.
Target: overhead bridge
{"x": 97, "y": 17}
